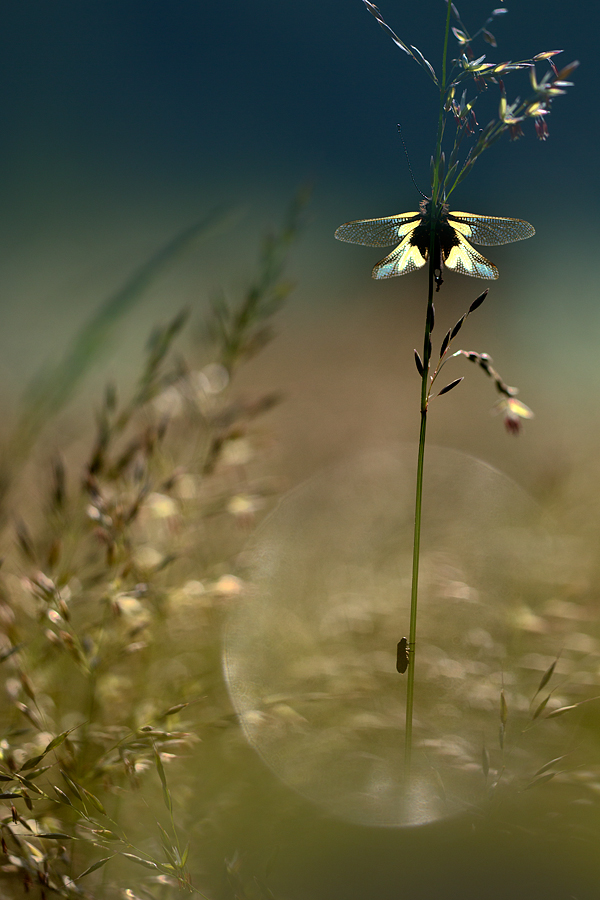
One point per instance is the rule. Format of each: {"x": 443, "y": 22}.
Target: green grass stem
{"x": 414, "y": 593}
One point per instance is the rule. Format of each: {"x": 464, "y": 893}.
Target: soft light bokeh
{"x": 127, "y": 120}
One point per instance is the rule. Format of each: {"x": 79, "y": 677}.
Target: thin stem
{"x": 445, "y": 52}
{"x": 433, "y": 262}
{"x": 410, "y": 687}
{"x": 436, "y": 186}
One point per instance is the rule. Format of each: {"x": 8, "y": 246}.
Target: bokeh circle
{"x": 310, "y": 649}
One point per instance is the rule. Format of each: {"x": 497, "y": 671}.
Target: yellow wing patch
{"x": 465, "y": 259}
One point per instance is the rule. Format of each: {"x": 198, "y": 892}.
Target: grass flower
{"x": 513, "y": 411}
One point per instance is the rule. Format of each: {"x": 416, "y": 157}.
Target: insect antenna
{"x": 424, "y": 196}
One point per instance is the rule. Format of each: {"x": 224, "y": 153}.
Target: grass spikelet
{"x": 103, "y": 593}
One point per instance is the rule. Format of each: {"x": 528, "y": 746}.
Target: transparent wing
{"x": 490, "y": 230}
{"x": 405, "y": 258}
{"x": 378, "y": 232}
{"x": 464, "y": 259}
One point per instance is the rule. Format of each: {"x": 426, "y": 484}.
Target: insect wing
{"x": 490, "y": 230}
{"x": 405, "y": 258}
{"x": 464, "y": 259}
{"x": 402, "y": 656}
{"x": 378, "y": 232}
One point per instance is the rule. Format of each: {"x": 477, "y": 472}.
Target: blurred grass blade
{"x": 93, "y": 800}
{"x": 542, "y": 779}
{"x": 54, "y": 385}
{"x": 71, "y": 784}
{"x": 62, "y": 796}
{"x": 542, "y": 706}
{"x": 546, "y": 677}
{"x": 54, "y": 835}
{"x": 139, "y": 859}
{"x": 563, "y": 709}
{"x": 485, "y": 761}
{"x": 50, "y": 389}
{"x": 95, "y": 866}
{"x": 549, "y": 765}
{"x": 503, "y": 708}
{"x": 163, "y": 781}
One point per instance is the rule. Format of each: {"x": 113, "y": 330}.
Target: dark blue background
{"x": 123, "y": 122}
{"x": 138, "y": 97}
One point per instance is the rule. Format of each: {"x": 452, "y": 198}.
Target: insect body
{"x": 451, "y": 248}
{"x": 402, "y": 656}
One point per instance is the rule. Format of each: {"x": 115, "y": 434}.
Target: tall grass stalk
{"x": 414, "y": 592}
{"x": 441, "y": 238}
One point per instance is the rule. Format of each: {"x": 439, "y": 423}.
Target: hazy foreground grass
{"x": 119, "y": 741}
